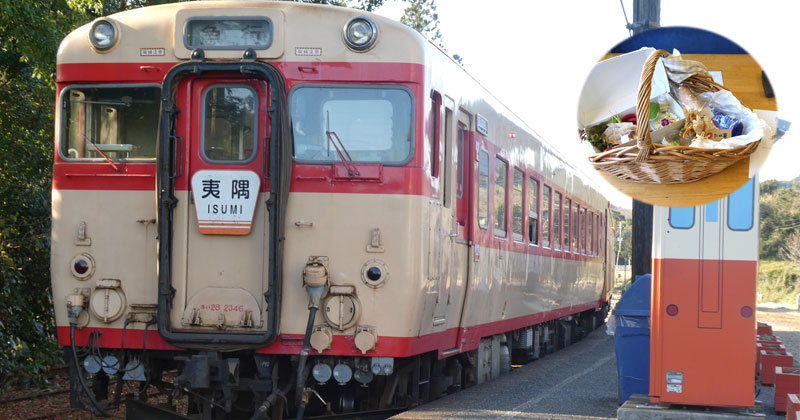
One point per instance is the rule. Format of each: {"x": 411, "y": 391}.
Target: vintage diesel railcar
{"x": 276, "y": 199}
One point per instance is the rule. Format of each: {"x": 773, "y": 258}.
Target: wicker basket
{"x": 666, "y": 164}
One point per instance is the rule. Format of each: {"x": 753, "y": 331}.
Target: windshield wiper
{"x": 110, "y": 162}
{"x": 333, "y": 138}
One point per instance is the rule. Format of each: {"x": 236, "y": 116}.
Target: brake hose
{"x": 301, "y": 364}
{"x": 99, "y": 410}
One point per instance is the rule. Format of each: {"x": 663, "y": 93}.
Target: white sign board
{"x": 225, "y": 201}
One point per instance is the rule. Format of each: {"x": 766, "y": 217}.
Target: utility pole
{"x": 642, "y": 240}
{"x": 646, "y": 15}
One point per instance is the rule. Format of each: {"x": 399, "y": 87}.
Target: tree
{"x": 622, "y": 236}
{"x": 780, "y": 216}
{"x": 30, "y": 33}
{"x": 791, "y": 247}
{"x": 421, "y": 16}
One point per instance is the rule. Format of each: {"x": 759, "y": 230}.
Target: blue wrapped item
{"x": 727, "y": 122}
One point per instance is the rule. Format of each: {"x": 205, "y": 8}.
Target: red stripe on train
{"x": 292, "y": 71}
{"x": 343, "y": 345}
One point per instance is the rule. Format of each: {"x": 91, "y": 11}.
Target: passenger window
{"x": 118, "y": 122}
{"x": 575, "y": 229}
{"x": 583, "y": 231}
{"x": 557, "y": 221}
{"x": 500, "y": 197}
{"x": 436, "y": 101}
{"x": 519, "y": 179}
{"x": 483, "y": 190}
{"x": 681, "y": 217}
{"x": 602, "y": 236}
{"x": 712, "y": 211}
{"x": 567, "y": 207}
{"x": 533, "y": 211}
{"x": 229, "y": 123}
{"x": 740, "y": 207}
{"x": 460, "y": 159}
{"x": 589, "y": 226}
{"x": 546, "y": 203}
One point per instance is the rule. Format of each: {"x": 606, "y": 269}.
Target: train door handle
{"x": 457, "y": 232}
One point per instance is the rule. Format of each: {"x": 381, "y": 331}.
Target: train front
{"x": 238, "y": 191}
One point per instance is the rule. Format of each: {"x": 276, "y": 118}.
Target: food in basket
{"x": 664, "y": 115}
{"x": 706, "y": 121}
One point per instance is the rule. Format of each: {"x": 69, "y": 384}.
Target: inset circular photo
{"x": 677, "y": 116}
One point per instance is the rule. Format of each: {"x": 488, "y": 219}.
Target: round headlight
{"x": 82, "y": 266}
{"x": 360, "y": 33}
{"x": 103, "y": 35}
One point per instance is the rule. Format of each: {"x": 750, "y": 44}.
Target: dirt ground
{"x": 785, "y": 321}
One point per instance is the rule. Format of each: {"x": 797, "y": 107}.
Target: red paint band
{"x": 343, "y": 345}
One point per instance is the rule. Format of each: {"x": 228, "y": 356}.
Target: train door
{"x": 447, "y": 312}
{"x": 704, "y": 278}
{"x": 221, "y": 240}
{"x": 461, "y": 239}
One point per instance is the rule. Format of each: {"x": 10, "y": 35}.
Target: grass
{"x": 778, "y": 281}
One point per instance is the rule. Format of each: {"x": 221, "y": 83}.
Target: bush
{"x": 778, "y": 281}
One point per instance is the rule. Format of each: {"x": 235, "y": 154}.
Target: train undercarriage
{"x": 209, "y": 385}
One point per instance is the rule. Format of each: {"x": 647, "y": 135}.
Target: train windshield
{"x": 374, "y": 124}
{"x": 116, "y": 122}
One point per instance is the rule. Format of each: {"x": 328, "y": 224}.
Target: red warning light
{"x": 746, "y": 311}
{"x": 672, "y": 309}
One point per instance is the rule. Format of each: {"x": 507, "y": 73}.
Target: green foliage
{"x": 780, "y": 216}
{"x": 622, "y": 237}
{"x": 30, "y": 33}
{"x": 778, "y": 281}
{"x": 421, "y": 16}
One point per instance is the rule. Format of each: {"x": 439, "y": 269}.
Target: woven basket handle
{"x": 644, "y": 142}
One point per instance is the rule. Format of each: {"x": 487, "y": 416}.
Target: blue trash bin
{"x": 632, "y": 339}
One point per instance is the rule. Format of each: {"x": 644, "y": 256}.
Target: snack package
{"x": 618, "y": 133}
{"x": 717, "y": 120}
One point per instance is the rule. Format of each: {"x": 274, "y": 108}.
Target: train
{"x": 304, "y": 209}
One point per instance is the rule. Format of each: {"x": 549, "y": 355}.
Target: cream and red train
{"x": 225, "y": 169}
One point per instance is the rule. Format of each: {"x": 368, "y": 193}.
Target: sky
{"x": 534, "y": 55}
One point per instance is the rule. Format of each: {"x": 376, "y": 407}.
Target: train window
{"x": 460, "y": 159}
{"x": 533, "y": 211}
{"x": 583, "y": 230}
{"x": 500, "y": 197}
{"x": 557, "y": 221}
{"x": 436, "y": 102}
{"x": 602, "y": 236}
{"x": 546, "y": 204}
{"x": 229, "y": 123}
{"x": 575, "y": 229}
{"x": 681, "y": 217}
{"x": 712, "y": 211}
{"x": 740, "y": 207}
{"x": 483, "y": 190}
{"x": 120, "y": 122}
{"x": 516, "y": 214}
{"x": 567, "y": 211}
{"x": 596, "y": 234}
{"x": 589, "y": 236}
{"x": 374, "y": 124}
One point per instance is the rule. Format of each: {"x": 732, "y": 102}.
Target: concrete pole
{"x": 646, "y": 15}
{"x": 642, "y": 240}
